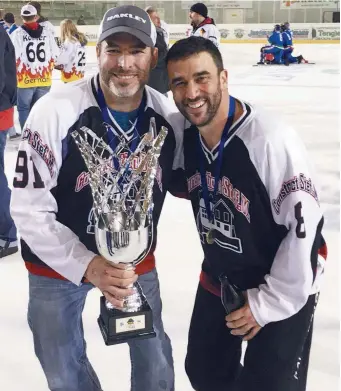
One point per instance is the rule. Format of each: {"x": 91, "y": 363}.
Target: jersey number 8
{"x": 35, "y": 53}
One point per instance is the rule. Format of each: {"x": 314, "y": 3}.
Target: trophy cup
{"x": 122, "y": 206}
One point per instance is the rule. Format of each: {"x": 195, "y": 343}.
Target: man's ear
{"x": 223, "y": 78}
{"x": 98, "y": 50}
{"x": 155, "y": 56}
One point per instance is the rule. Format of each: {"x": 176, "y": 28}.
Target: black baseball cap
{"x": 128, "y": 19}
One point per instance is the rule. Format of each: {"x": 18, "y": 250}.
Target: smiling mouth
{"x": 196, "y": 105}
{"x": 125, "y": 77}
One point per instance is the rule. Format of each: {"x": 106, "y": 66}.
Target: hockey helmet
{"x": 269, "y": 57}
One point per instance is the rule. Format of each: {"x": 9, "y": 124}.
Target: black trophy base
{"x": 120, "y": 327}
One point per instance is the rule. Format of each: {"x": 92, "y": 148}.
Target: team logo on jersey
{"x": 225, "y": 187}
{"x": 297, "y": 183}
{"x": 223, "y": 225}
{"x": 83, "y": 178}
{"x": 35, "y": 141}
{"x": 131, "y": 16}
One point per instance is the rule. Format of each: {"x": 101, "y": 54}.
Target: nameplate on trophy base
{"x": 118, "y": 327}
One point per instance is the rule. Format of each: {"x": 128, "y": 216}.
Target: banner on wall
{"x": 323, "y": 32}
{"x": 240, "y": 32}
{"x": 307, "y": 4}
{"x": 220, "y": 4}
{"x": 256, "y": 32}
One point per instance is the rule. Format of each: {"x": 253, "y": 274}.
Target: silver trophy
{"x": 123, "y": 206}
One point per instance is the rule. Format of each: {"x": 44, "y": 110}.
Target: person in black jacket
{"x": 8, "y": 90}
{"x": 158, "y": 78}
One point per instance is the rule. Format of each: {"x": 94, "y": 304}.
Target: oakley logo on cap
{"x": 117, "y": 16}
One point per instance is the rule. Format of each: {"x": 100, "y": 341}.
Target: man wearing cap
{"x": 203, "y": 26}
{"x": 35, "y": 51}
{"x": 52, "y": 205}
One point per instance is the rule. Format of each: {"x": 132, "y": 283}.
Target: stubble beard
{"x": 122, "y": 91}
{"x": 212, "y": 104}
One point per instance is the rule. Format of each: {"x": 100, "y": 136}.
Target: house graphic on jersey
{"x": 223, "y": 223}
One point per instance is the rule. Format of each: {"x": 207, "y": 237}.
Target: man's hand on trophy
{"x": 114, "y": 280}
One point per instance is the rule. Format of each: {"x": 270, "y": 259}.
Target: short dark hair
{"x": 37, "y": 6}
{"x": 187, "y": 47}
{"x": 28, "y": 19}
{"x": 9, "y": 18}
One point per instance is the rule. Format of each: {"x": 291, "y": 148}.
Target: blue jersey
{"x": 276, "y": 39}
{"x": 287, "y": 38}
{"x": 12, "y": 28}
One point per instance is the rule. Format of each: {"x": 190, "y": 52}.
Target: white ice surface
{"x": 308, "y": 97}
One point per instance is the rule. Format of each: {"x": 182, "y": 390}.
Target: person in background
{"x": 10, "y": 22}
{"x": 275, "y": 48}
{"x": 11, "y": 26}
{"x": 8, "y": 91}
{"x": 2, "y": 22}
{"x": 81, "y": 21}
{"x": 41, "y": 19}
{"x": 158, "y": 22}
{"x": 203, "y": 26}
{"x": 72, "y": 59}
{"x": 288, "y": 46}
{"x": 158, "y": 78}
{"x": 36, "y": 51}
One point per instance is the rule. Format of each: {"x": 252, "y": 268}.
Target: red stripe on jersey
{"x": 144, "y": 267}
{"x": 323, "y": 251}
{"x": 208, "y": 285}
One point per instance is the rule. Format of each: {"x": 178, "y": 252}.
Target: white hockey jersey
{"x": 35, "y": 51}
{"x": 73, "y": 60}
{"x": 49, "y": 26}
{"x": 51, "y": 201}
{"x": 267, "y": 215}
{"x": 207, "y": 29}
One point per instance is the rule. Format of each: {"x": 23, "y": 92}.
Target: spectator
{"x": 154, "y": 16}
{"x": 81, "y": 21}
{"x": 2, "y": 22}
{"x": 11, "y": 26}
{"x": 8, "y": 90}
{"x": 41, "y": 19}
{"x": 158, "y": 78}
{"x": 36, "y": 52}
{"x": 72, "y": 59}
{"x": 203, "y": 26}
{"x": 10, "y": 22}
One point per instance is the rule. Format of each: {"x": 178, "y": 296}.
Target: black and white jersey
{"x": 51, "y": 200}
{"x": 267, "y": 216}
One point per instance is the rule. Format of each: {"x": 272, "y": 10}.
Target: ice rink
{"x": 308, "y": 97}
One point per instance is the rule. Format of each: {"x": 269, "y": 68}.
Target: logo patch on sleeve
{"x": 297, "y": 183}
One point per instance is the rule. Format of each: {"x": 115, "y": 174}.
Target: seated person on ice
{"x": 275, "y": 48}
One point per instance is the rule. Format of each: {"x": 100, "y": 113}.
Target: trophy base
{"x": 119, "y": 327}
